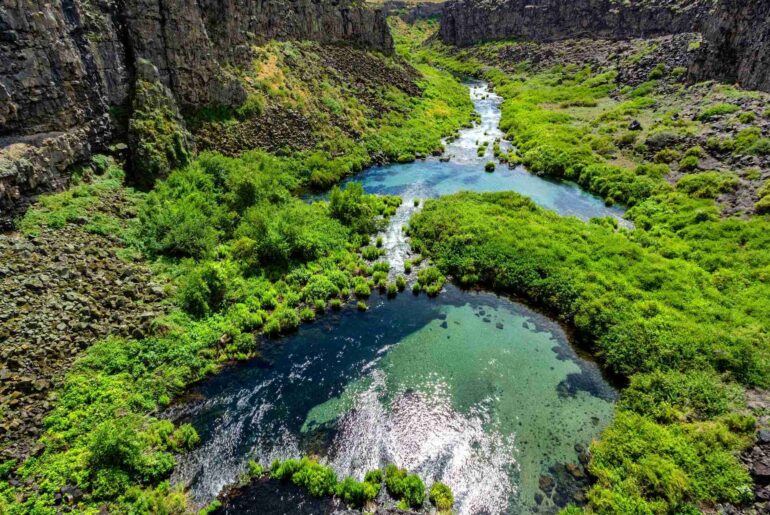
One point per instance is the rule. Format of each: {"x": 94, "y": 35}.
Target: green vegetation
{"x": 717, "y": 110}
{"x": 407, "y": 488}
{"x": 241, "y": 255}
{"x": 671, "y": 305}
{"x": 159, "y": 141}
{"x": 441, "y": 497}
{"x": 321, "y": 481}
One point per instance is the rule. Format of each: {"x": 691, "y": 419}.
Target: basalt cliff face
{"x": 68, "y": 68}
{"x": 465, "y": 22}
{"x": 736, "y": 46}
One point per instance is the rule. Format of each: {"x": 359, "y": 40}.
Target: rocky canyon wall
{"x": 66, "y": 66}
{"x": 736, "y": 44}
{"x": 465, "y": 22}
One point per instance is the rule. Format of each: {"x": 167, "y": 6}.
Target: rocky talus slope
{"x": 465, "y": 22}
{"x": 60, "y": 291}
{"x": 736, "y": 44}
{"x": 68, "y": 68}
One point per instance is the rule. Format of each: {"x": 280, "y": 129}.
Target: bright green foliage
{"x": 707, "y": 184}
{"x": 666, "y": 307}
{"x": 763, "y": 205}
{"x": 255, "y": 469}
{"x": 79, "y": 203}
{"x": 672, "y": 396}
{"x": 356, "y": 493}
{"x": 688, "y": 163}
{"x": 667, "y": 466}
{"x": 319, "y": 480}
{"x": 374, "y": 476}
{"x": 441, "y": 496}
{"x": 406, "y": 487}
{"x": 431, "y": 280}
{"x": 717, "y": 110}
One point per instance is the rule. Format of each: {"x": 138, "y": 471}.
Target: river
{"x": 469, "y": 388}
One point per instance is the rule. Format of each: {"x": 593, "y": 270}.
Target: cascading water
{"x": 472, "y": 389}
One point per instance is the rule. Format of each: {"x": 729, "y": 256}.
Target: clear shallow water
{"x": 471, "y": 389}
{"x": 465, "y": 171}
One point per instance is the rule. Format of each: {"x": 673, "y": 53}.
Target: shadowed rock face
{"x": 64, "y": 65}
{"x": 465, "y": 22}
{"x": 736, "y": 44}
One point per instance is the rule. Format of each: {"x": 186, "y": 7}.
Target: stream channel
{"x": 469, "y": 388}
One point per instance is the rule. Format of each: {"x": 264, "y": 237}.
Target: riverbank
{"x": 657, "y": 300}
{"x": 240, "y": 254}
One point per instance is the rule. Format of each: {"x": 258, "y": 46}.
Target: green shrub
{"x": 361, "y": 305}
{"x": 185, "y": 438}
{"x": 663, "y": 139}
{"x": 717, "y": 111}
{"x": 688, "y": 163}
{"x": 490, "y": 166}
{"x": 255, "y": 469}
{"x": 722, "y": 145}
{"x": 319, "y": 480}
{"x": 400, "y": 283}
{"x": 747, "y": 117}
{"x": 441, "y": 496}
{"x": 658, "y": 72}
{"x": 431, "y": 279}
{"x": 373, "y": 476}
{"x": 116, "y": 445}
{"x": 707, "y": 184}
{"x": 355, "y": 493}
{"x": 370, "y": 253}
{"x": 667, "y": 155}
{"x": 307, "y": 315}
{"x": 406, "y": 487}
{"x": 203, "y": 290}
{"x": 678, "y": 72}
{"x": 361, "y": 287}
{"x": 671, "y": 396}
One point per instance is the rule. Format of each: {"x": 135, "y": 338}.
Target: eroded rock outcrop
{"x": 736, "y": 45}
{"x": 68, "y": 68}
{"x": 465, "y": 22}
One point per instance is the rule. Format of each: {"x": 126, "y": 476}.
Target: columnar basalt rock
{"x": 465, "y": 22}
{"x": 66, "y": 65}
{"x": 736, "y": 45}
